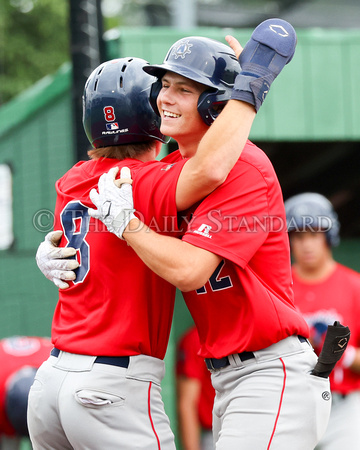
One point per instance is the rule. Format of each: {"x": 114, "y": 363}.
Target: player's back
{"x": 113, "y": 307}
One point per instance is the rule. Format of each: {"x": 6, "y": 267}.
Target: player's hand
{"x": 234, "y": 44}
{"x": 51, "y": 260}
{"x": 114, "y": 201}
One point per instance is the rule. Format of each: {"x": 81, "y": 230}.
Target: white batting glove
{"x": 51, "y": 260}
{"x": 114, "y": 201}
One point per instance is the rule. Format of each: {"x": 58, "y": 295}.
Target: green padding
{"x": 29, "y": 102}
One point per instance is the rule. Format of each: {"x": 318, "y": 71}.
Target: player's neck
{"x": 148, "y": 155}
{"x": 187, "y": 148}
{"x": 316, "y": 273}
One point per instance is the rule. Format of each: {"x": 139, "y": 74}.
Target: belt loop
{"x": 55, "y": 352}
{"x": 235, "y": 360}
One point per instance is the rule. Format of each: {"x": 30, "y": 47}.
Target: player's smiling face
{"x": 177, "y": 103}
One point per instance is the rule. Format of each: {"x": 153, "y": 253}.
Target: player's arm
{"x": 166, "y": 256}
{"x": 182, "y": 264}
{"x": 189, "y": 381}
{"x": 188, "y": 393}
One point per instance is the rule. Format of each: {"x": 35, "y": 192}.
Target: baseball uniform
{"x": 111, "y": 327}
{"x": 321, "y": 303}
{"x": 250, "y": 331}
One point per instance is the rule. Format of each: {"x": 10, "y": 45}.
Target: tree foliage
{"x": 34, "y": 41}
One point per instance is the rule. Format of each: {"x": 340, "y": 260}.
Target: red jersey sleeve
{"x": 230, "y": 221}
{"x": 237, "y": 218}
{"x": 154, "y": 189}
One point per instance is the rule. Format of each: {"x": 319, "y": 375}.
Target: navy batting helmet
{"x": 315, "y": 212}
{"x": 206, "y": 61}
{"x": 116, "y": 107}
{"x": 16, "y": 402}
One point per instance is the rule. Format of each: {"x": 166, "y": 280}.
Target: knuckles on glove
{"x": 115, "y": 206}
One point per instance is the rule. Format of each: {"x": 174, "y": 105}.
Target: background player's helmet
{"x": 116, "y": 107}
{"x": 203, "y": 60}
{"x": 312, "y": 211}
{"x": 16, "y": 401}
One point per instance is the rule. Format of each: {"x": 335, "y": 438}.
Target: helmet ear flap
{"x": 210, "y": 104}
{"x": 154, "y": 92}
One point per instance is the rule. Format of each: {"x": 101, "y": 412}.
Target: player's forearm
{"x": 217, "y": 154}
{"x": 163, "y": 255}
{"x": 189, "y": 428}
{"x": 188, "y": 394}
{"x": 181, "y": 264}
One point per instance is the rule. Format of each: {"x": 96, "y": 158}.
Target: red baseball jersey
{"x": 116, "y": 306}
{"x": 247, "y": 304}
{"x": 322, "y": 303}
{"x": 191, "y": 365}
{"x": 15, "y": 353}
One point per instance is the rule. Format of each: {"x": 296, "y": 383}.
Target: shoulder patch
{"x": 168, "y": 167}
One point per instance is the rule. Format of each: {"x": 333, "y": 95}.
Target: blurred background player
{"x": 20, "y": 357}
{"x": 195, "y": 394}
{"x": 326, "y": 291}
